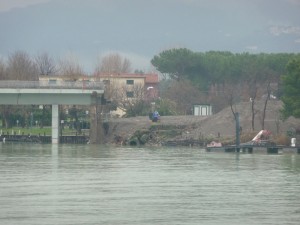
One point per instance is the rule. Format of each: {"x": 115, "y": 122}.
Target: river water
{"x": 87, "y": 184}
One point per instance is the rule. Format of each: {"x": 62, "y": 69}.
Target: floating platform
{"x": 255, "y": 149}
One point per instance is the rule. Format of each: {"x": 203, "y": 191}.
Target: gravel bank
{"x": 221, "y": 124}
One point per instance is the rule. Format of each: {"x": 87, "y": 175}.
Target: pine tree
{"x": 291, "y": 85}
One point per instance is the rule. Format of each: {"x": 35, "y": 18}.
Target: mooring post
{"x": 237, "y": 132}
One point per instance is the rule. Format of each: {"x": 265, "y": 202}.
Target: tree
{"x": 2, "y": 70}
{"x": 70, "y": 67}
{"x": 291, "y": 89}
{"x": 21, "y": 67}
{"x": 253, "y": 80}
{"x": 46, "y": 64}
{"x": 113, "y": 63}
{"x": 267, "y": 98}
{"x": 216, "y": 67}
{"x": 253, "y": 94}
{"x": 183, "y": 94}
{"x": 232, "y": 96}
{"x": 165, "y": 107}
{"x": 132, "y": 99}
{"x": 174, "y": 62}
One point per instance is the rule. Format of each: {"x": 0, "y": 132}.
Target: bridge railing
{"x": 59, "y": 84}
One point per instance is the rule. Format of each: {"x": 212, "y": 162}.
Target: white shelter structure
{"x": 202, "y": 110}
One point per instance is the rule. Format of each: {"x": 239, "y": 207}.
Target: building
{"x": 120, "y": 85}
{"x": 129, "y": 89}
{"x": 130, "y": 86}
{"x": 122, "y": 89}
{"x": 202, "y": 110}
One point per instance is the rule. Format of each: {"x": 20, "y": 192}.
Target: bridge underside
{"x": 48, "y": 97}
{"x": 54, "y": 97}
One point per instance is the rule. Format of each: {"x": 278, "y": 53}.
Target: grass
{"x": 37, "y": 131}
{"x": 25, "y": 131}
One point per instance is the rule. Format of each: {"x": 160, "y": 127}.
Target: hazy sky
{"x": 140, "y": 29}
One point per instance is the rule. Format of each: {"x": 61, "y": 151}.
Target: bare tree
{"x": 232, "y": 95}
{"x": 46, "y": 64}
{"x": 267, "y": 98}
{"x": 21, "y": 67}
{"x": 2, "y": 70}
{"x": 71, "y": 68}
{"x": 184, "y": 94}
{"x": 132, "y": 99}
{"x": 113, "y": 63}
{"x": 253, "y": 89}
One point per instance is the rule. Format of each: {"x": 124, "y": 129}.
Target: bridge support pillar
{"x": 55, "y": 124}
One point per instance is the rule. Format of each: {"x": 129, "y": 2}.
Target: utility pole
{"x": 237, "y": 132}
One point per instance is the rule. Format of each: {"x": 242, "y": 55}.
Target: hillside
{"x": 220, "y": 125}
{"x": 223, "y": 122}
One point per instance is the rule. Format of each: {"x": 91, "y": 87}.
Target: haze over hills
{"x": 139, "y": 29}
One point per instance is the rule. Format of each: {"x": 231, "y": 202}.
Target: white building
{"x": 202, "y": 110}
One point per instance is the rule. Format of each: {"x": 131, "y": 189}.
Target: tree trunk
{"x": 265, "y": 107}
{"x": 253, "y": 113}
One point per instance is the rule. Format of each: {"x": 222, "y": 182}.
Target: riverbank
{"x": 186, "y": 130}
{"x": 199, "y": 130}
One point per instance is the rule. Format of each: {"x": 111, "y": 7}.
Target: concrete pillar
{"x": 96, "y": 131}
{"x": 55, "y": 124}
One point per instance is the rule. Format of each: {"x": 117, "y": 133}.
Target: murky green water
{"x": 71, "y": 184}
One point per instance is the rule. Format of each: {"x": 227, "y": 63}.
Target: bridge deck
{"x": 42, "y": 84}
{"x": 42, "y": 92}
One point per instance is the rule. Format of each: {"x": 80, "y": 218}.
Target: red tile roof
{"x": 151, "y": 78}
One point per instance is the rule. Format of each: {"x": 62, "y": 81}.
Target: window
{"x": 129, "y": 94}
{"x": 131, "y": 82}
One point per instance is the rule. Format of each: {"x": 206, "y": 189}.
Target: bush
{"x": 282, "y": 140}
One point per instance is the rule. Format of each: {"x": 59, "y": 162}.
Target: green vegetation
{"x": 214, "y": 67}
{"x": 218, "y": 78}
{"x": 26, "y": 131}
{"x": 40, "y": 131}
{"x": 291, "y": 92}
{"x": 36, "y": 117}
{"x": 224, "y": 79}
{"x": 24, "y": 116}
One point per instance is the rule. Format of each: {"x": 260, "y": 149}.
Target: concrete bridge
{"x": 55, "y": 94}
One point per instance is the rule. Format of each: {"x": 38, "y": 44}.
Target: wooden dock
{"x": 256, "y": 149}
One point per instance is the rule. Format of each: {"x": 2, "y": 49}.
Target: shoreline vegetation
{"x": 186, "y": 130}
{"x": 231, "y": 83}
